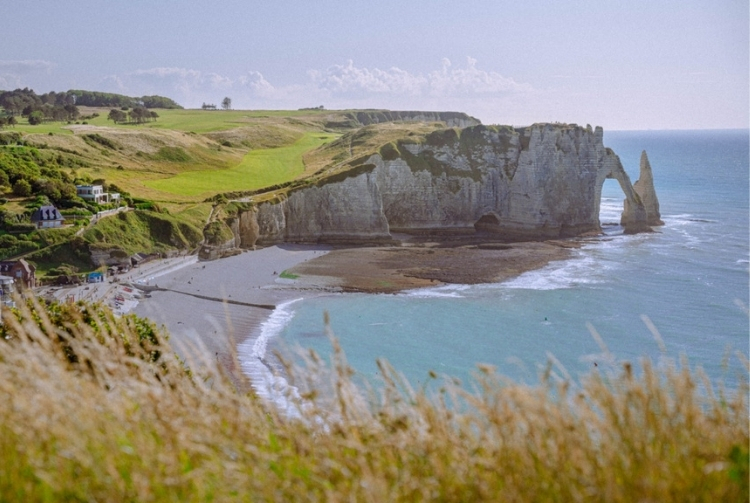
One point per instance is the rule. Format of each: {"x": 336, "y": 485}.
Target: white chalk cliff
{"x": 539, "y": 182}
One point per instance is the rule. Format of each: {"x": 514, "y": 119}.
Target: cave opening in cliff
{"x": 488, "y": 223}
{"x": 611, "y": 203}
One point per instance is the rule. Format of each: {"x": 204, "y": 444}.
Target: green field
{"x": 259, "y": 168}
{"x": 197, "y": 121}
{"x": 203, "y": 121}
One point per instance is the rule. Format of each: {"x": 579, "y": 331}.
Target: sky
{"x": 617, "y": 64}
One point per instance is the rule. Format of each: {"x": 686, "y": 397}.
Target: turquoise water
{"x": 688, "y": 278}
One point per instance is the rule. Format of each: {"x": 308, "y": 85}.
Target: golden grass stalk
{"x": 96, "y": 408}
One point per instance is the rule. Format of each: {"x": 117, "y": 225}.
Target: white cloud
{"x": 450, "y": 81}
{"x": 345, "y": 79}
{"x": 16, "y": 73}
{"x": 257, "y": 84}
{"x": 445, "y": 82}
{"x": 456, "y": 87}
{"x": 24, "y": 67}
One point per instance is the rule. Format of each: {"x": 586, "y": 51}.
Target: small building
{"x": 6, "y": 291}
{"x": 21, "y": 271}
{"x": 47, "y": 217}
{"x": 96, "y": 194}
{"x": 95, "y": 277}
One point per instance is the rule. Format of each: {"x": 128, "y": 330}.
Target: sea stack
{"x": 644, "y": 187}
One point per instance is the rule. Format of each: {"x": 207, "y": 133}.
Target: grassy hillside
{"x": 186, "y": 157}
{"x": 100, "y": 409}
{"x": 258, "y": 168}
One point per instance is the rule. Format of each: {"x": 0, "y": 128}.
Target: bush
{"x": 22, "y": 188}
{"x": 7, "y": 241}
{"x": 10, "y": 138}
{"x": 36, "y": 117}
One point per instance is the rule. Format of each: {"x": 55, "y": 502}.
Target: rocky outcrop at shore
{"x": 644, "y": 187}
{"x": 539, "y": 182}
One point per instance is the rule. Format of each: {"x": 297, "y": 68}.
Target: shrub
{"x": 10, "y": 138}
{"x": 22, "y": 188}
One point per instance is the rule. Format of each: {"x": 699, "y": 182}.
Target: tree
{"x": 226, "y": 103}
{"x": 36, "y": 117}
{"x": 139, "y": 114}
{"x": 116, "y": 115}
{"x": 22, "y": 188}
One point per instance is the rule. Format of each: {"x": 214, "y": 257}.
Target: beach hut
{"x": 95, "y": 277}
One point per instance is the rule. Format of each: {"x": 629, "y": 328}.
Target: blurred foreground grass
{"x": 100, "y": 409}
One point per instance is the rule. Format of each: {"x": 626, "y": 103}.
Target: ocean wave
{"x": 445, "y": 291}
{"x": 267, "y": 383}
{"x": 610, "y": 211}
{"x": 583, "y": 270}
{"x": 687, "y": 218}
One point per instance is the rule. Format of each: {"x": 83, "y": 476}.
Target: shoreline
{"x": 211, "y": 308}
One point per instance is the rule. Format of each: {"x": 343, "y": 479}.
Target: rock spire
{"x": 644, "y": 187}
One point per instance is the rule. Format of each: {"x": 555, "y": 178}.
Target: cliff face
{"x": 367, "y": 117}
{"x": 539, "y": 182}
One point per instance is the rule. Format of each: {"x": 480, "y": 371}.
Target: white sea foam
{"x": 268, "y": 384}
{"x": 582, "y": 270}
{"x": 610, "y": 211}
{"x": 444, "y": 291}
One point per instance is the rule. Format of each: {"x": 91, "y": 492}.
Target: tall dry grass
{"x": 94, "y": 408}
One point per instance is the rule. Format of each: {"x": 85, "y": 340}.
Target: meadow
{"x": 99, "y": 408}
{"x": 258, "y": 168}
{"x": 197, "y": 121}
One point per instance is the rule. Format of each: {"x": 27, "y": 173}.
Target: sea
{"x": 677, "y": 295}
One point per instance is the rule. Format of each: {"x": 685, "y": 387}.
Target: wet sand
{"x": 396, "y": 268}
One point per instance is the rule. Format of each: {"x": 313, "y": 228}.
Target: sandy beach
{"x": 214, "y": 306}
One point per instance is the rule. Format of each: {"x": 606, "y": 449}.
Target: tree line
{"x": 24, "y": 101}
{"x": 63, "y": 106}
{"x": 137, "y": 115}
{"x": 37, "y": 108}
{"x": 99, "y": 99}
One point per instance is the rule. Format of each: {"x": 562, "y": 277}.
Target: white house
{"x": 96, "y": 194}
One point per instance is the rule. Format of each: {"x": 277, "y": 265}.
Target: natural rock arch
{"x": 634, "y": 217}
